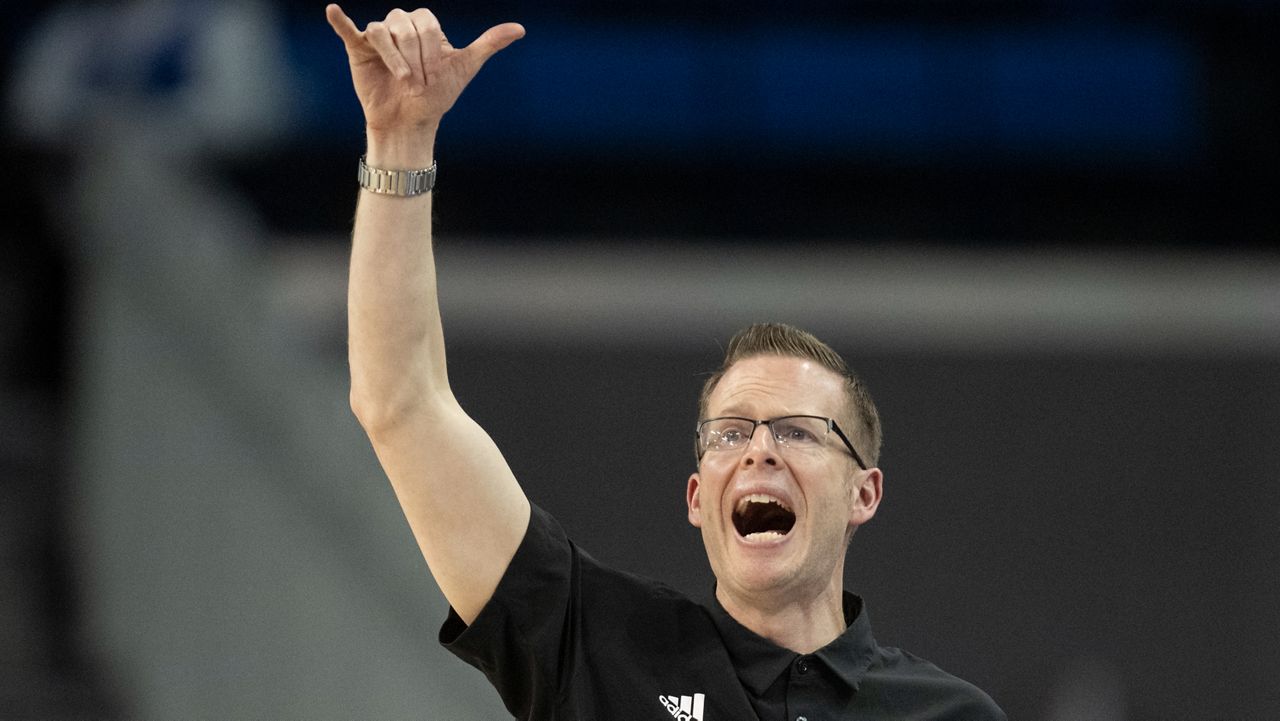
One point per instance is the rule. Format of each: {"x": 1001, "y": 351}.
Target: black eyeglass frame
{"x": 756, "y": 423}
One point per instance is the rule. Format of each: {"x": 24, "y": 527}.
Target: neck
{"x": 801, "y": 625}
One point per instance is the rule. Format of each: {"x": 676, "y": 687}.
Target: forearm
{"x": 396, "y": 345}
{"x": 458, "y": 494}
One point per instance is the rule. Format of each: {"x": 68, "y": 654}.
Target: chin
{"x": 763, "y": 575}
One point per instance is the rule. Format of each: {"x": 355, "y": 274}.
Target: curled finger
{"x": 405, "y": 36}
{"x": 380, "y": 38}
{"x": 433, "y": 41}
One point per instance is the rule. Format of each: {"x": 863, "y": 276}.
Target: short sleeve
{"x": 523, "y": 637}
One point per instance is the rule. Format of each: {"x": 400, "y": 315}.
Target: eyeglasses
{"x": 731, "y": 433}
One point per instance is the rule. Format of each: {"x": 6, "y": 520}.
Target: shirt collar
{"x": 759, "y": 662}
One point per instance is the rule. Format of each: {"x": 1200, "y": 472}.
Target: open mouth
{"x": 761, "y": 517}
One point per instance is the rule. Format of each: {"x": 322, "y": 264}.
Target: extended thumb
{"x": 495, "y": 39}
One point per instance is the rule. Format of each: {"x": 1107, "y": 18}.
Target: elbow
{"x": 376, "y": 416}
{"x": 363, "y": 408}
{"x": 381, "y": 415}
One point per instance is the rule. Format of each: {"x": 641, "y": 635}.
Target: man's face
{"x": 745, "y": 500}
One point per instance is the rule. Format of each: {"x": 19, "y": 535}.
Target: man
{"x": 559, "y": 635}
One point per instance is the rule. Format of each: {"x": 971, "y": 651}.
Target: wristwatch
{"x": 404, "y": 183}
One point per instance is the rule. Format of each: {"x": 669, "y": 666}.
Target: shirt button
{"x": 802, "y": 665}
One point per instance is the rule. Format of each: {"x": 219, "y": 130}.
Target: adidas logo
{"x": 684, "y": 708}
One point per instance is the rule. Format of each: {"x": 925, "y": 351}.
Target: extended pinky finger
{"x": 342, "y": 25}
{"x": 380, "y": 38}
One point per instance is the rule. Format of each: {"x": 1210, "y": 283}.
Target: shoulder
{"x": 902, "y": 680}
{"x": 595, "y": 589}
{"x": 566, "y": 631}
{"x": 620, "y": 602}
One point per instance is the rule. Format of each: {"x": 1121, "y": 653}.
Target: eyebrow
{"x": 740, "y": 413}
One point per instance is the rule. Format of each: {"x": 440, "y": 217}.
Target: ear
{"x": 867, "y": 492}
{"x": 694, "y": 499}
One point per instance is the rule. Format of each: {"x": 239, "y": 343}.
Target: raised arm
{"x": 465, "y": 507}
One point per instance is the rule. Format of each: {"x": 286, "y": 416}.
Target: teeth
{"x": 763, "y": 536}
{"x": 760, "y": 498}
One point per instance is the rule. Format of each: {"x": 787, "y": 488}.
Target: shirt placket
{"x": 804, "y": 690}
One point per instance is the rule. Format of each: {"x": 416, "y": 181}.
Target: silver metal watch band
{"x": 404, "y": 183}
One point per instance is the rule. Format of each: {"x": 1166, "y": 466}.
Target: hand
{"x": 405, "y": 72}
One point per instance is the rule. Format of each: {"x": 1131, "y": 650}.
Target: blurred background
{"x": 1043, "y": 231}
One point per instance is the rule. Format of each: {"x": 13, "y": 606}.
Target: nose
{"x": 762, "y": 448}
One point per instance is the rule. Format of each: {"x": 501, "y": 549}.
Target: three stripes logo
{"x": 684, "y": 708}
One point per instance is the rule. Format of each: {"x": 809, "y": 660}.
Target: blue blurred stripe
{"x": 1094, "y": 93}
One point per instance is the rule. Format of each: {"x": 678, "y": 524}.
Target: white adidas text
{"x": 684, "y": 708}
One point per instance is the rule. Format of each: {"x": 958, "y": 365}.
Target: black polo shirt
{"x": 566, "y": 638}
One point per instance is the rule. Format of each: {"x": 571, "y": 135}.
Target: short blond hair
{"x": 860, "y": 417}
